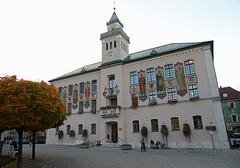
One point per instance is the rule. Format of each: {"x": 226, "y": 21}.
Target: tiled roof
{"x": 160, "y": 50}
{"x": 231, "y": 93}
{"x": 85, "y": 69}
{"x": 133, "y": 57}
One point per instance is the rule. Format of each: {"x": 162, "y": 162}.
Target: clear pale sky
{"x": 44, "y": 39}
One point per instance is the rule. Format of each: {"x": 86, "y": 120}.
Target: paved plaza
{"x": 57, "y": 156}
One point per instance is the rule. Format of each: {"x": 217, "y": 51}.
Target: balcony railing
{"x": 110, "y": 113}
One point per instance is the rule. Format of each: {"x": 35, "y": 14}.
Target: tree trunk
{"x": 20, "y": 134}
{"x": 33, "y": 145}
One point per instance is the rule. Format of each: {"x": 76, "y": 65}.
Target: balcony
{"x": 110, "y": 112}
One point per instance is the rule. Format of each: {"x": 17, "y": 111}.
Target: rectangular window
{"x": 113, "y": 101}
{"x": 175, "y": 124}
{"x": 133, "y": 78}
{"x": 169, "y": 71}
{"x": 197, "y": 121}
{"x": 231, "y": 105}
{"x": 171, "y": 93}
{"x": 81, "y": 89}
{"x": 189, "y": 67}
{"x": 152, "y": 96}
{"x": 112, "y": 82}
{"x": 234, "y": 118}
{"x": 94, "y": 105}
{"x": 106, "y": 46}
{"x": 80, "y": 106}
{"x": 154, "y": 124}
{"x": 193, "y": 91}
{"x": 60, "y": 91}
{"x": 56, "y": 131}
{"x": 68, "y": 129}
{"x": 134, "y": 100}
{"x": 135, "y": 126}
{"x": 93, "y": 128}
{"x": 80, "y": 129}
{"x": 70, "y": 90}
{"x": 115, "y": 44}
{"x": 150, "y": 75}
{"x": 94, "y": 85}
{"x": 69, "y": 108}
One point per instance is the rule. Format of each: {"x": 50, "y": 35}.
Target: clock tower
{"x": 115, "y": 42}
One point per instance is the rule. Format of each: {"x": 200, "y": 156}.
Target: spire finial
{"x": 114, "y": 6}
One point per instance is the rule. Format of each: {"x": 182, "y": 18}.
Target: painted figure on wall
{"x": 87, "y": 95}
{"x": 75, "y": 97}
{"x": 65, "y": 95}
{"x": 142, "y": 85}
{"x": 182, "y": 90}
{"x": 161, "y": 86}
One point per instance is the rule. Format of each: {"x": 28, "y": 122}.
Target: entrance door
{"x": 114, "y": 133}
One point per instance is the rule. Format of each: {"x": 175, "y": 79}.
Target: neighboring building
{"x": 231, "y": 108}
{"x": 166, "y": 85}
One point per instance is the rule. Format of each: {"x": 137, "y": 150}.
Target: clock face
{"x": 110, "y": 55}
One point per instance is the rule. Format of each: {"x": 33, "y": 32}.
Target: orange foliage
{"x": 34, "y": 105}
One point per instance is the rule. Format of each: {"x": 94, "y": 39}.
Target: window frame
{"x": 155, "y": 124}
{"x": 68, "y": 129}
{"x": 81, "y": 87}
{"x": 69, "y": 108}
{"x": 189, "y": 67}
{"x": 60, "y": 91}
{"x": 133, "y": 78}
{"x": 92, "y": 105}
{"x": 150, "y": 75}
{"x": 135, "y": 127}
{"x": 94, "y": 86}
{"x": 80, "y": 131}
{"x": 174, "y": 123}
{"x": 70, "y": 90}
{"x": 152, "y": 96}
{"x": 229, "y": 105}
{"x": 172, "y": 94}
{"x": 111, "y": 81}
{"x": 92, "y": 132}
{"x": 81, "y": 102}
{"x": 193, "y": 92}
{"x": 196, "y": 125}
{"x": 169, "y": 71}
{"x": 235, "y": 116}
{"x": 134, "y": 96}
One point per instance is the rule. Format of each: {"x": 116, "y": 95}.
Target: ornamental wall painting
{"x": 64, "y": 95}
{"x": 111, "y": 91}
{"x": 181, "y": 85}
{"x": 87, "y": 95}
{"x": 161, "y": 86}
{"x": 142, "y": 86}
{"x": 75, "y": 97}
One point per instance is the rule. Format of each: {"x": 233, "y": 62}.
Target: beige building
{"x": 168, "y": 85}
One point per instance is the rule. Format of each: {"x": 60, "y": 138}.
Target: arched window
{"x": 106, "y": 46}
{"x": 135, "y": 124}
{"x": 110, "y": 45}
{"x": 197, "y": 120}
{"x": 154, "y": 124}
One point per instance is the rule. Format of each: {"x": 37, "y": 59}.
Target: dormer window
{"x": 225, "y": 95}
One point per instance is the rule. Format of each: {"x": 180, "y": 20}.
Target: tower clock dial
{"x": 110, "y": 55}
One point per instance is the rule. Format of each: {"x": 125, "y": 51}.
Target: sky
{"x": 44, "y": 39}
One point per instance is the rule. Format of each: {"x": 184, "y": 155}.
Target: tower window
{"x": 112, "y": 82}
{"x": 110, "y": 45}
{"x": 106, "y": 46}
{"x": 115, "y": 44}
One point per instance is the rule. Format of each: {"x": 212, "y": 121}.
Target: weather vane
{"x": 114, "y": 6}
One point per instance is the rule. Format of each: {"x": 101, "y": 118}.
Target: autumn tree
{"x": 28, "y": 105}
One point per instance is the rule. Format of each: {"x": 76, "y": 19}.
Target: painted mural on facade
{"x": 161, "y": 86}
{"x": 75, "y": 97}
{"x": 111, "y": 91}
{"x": 181, "y": 85}
{"x": 142, "y": 86}
{"x": 64, "y": 95}
{"x": 87, "y": 95}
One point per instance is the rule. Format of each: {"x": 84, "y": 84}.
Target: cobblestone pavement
{"x": 73, "y": 157}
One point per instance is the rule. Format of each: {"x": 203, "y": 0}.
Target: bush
{"x": 72, "y": 134}
{"x": 144, "y": 131}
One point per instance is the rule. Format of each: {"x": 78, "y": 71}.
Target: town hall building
{"x": 169, "y": 85}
